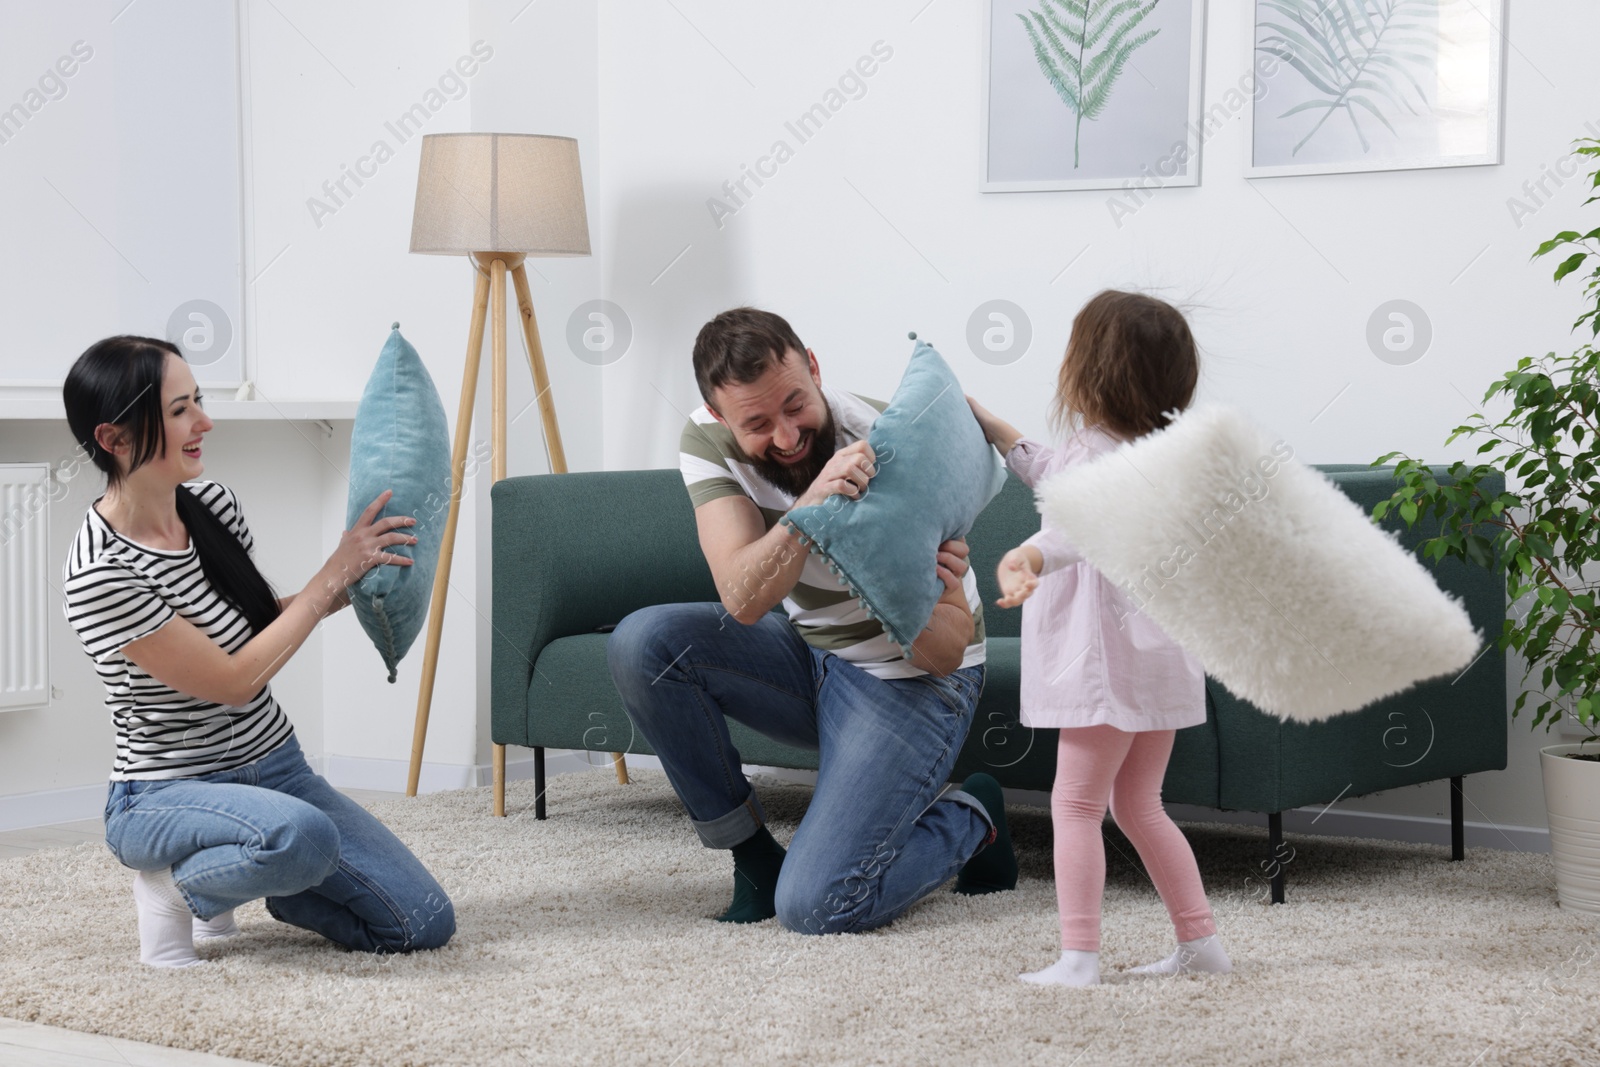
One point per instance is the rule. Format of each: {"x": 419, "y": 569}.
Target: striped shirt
{"x": 820, "y": 605}
{"x": 118, "y": 591}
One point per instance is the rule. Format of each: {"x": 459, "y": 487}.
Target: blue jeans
{"x": 881, "y": 832}
{"x": 276, "y": 829}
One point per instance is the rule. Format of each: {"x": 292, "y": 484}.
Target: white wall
{"x": 326, "y": 275}
{"x": 544, "y": 81}
{"x": 876, "y": 227}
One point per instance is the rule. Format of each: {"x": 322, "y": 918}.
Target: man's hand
{"x": 1018, "y": 575}
{"x": 951, "y": 563}
{"x": 940, "y": 648}
{"x": 847, "y": 474}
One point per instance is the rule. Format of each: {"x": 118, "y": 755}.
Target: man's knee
{"x": 806, "y": 906}
{"x": 635, "y": 648}
{"x": 647, "y": 643}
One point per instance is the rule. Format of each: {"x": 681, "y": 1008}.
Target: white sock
{"x": 216, "y": 928}
{"x": 1203, "y": 955}
{"x": 1074, "y": 968}
{"x": 166, "y": 925}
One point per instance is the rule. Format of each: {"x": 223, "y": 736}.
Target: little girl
{"x": 1093, "y": 665}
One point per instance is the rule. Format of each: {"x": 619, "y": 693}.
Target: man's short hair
{"x": 739, "y": 346}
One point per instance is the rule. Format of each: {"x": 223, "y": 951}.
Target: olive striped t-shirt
{"x": 820, "y": 606}
{"x": 118, "y": 591}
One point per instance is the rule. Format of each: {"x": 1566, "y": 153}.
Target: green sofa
{"x": 575, "y": 553}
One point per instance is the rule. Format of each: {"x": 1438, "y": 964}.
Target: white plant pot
{"x": 1572, "y": 803}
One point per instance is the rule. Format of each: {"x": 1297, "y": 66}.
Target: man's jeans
{"x": 276, "y": 829}
{"x": 879, "y": 835}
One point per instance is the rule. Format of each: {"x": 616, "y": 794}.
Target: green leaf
{"x": 1570, "y": 264}
{"x": 1082, "y": 49}
{"x": 1565, "y": 237}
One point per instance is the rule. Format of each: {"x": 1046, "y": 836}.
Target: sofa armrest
{"x": 1439, "y": 729}
{"x": 576, "y": 552}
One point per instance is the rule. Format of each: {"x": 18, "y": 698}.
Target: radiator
{"x": 26, "y": 593}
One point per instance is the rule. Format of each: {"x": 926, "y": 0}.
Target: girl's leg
{"x": 1136, "y": 806}
{"x": 1087, "y": 759}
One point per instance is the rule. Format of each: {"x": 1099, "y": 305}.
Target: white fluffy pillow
{"x": 1278, "y": 583}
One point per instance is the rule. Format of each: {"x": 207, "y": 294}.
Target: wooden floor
{"x": 25, "y": 1044}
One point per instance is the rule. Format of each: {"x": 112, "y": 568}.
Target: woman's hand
{"x": 996, "y": 431}
{"x": 1018, "y": 575}
{"x": 365, "y": 545}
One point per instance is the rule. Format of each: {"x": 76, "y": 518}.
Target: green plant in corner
{"x": 1082, "y": 46}
{"x": 1545, "y": 536}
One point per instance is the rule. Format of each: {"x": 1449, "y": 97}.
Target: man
{"x": 881, "y": 831}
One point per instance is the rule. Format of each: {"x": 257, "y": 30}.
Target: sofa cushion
{"x": 399, "y": 442}
{"x": 573, "y": 704}
{"x": 935, "y": 474}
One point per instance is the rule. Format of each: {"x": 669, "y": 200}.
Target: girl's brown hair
{"x": 1130, "y": 360}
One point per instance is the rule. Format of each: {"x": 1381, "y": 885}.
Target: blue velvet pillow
{"x": 936, "y": 472}
{"x": 400, "y": 442}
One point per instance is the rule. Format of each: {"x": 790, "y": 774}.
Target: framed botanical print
{"x": 1353, "y": 85}
{"x": 1090, "y": 94}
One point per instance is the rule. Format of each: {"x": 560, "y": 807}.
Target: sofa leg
{"x": 1275, "y": 843}
{"x": 1458, "y": 828}
{"x": 500, "y": 781}
{"x": 538, "y": 783}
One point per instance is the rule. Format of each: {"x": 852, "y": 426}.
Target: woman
{"x": 210, "y": 800}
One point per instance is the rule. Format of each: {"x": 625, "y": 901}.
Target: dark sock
{"x": 756, "y": 863}
{"x": 994, "y": 867}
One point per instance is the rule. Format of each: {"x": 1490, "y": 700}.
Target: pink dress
{"x": 1089, "y": 657}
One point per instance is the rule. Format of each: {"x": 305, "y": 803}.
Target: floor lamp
{"x": 498, "y": 198}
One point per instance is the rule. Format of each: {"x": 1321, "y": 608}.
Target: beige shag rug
{"x": 586, "y": 939}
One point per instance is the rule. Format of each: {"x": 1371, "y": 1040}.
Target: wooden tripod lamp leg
{"x": 547, "y": 412}
{"x": 441, "y": 577}
{"x": 497, "y": 311}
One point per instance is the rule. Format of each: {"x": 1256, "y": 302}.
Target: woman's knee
{"x": 431, "y": 924}
{"x": 302, "y": 838}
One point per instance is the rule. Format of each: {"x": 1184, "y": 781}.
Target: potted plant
{"x": 1543, "y": 532}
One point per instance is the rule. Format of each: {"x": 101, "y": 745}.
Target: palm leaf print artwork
{"x": 1356, "y": 54}
{"x": 1082, "y": 46}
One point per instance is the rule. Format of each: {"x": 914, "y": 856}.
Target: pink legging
{"x": 1095, "y": 763}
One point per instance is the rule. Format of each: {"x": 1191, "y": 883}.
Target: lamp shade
{"x": 499, "y": 192}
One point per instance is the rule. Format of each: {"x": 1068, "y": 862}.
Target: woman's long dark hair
{"x": 118, "y": 381}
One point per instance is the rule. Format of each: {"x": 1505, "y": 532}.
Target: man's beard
{"x": 796, "y": 478}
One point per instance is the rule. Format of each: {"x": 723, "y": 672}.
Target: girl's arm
{"x": 998, "y": 431}
{"x": 1018, "y": 575}
{"x": 1054, "y": 550}
{"x": 1030, "y": 462}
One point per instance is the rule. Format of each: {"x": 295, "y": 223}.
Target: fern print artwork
{"x": 1082, "y": 47}
{"x": 1361, "y": 58}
